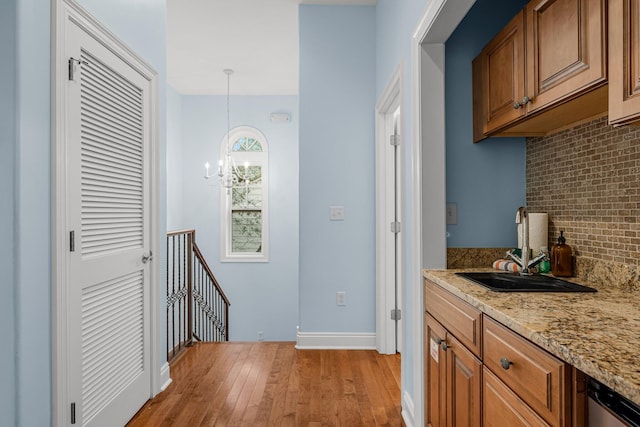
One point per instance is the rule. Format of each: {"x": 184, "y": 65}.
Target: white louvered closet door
{"x": 108, "y": 110}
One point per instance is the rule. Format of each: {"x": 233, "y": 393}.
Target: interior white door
{"x": 397, "y": 217}
{"x": 108, "y": 200}
{"x": 389, "y": 196}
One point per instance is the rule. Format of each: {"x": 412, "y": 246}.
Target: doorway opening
{"x": 389, "y": 196}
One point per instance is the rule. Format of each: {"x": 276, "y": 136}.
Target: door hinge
{"x": 72, "y": 67}
{"x": 394, "y": 140}
{"x": 72, "y": 241}
{"x": 73, "y": 412}
{"x": 395, "y": 227}
{"x": 396, "y": 314}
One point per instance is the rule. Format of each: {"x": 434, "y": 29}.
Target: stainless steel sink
{"x": 514, "y": 282}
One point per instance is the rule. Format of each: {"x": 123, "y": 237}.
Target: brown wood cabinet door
{"x": 464, "y": 373}
{"x": 435, "y": 374}
{"x": 503, "y": 408}
{"x": 624, "y": 61}
{"x": 501, "y": 65}
{"x": 566, "y": 50}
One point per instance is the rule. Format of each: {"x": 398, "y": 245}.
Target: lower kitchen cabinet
{"x": 452, "y": 379}
{"x": 480, "y": 373}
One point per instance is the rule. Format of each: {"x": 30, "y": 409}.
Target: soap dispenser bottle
{"x": 561, "y": 262}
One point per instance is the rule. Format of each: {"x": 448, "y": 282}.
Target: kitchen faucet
{"x": 524, "y": 261}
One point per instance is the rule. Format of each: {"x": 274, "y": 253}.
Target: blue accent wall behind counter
{"x": 485, "y": 180}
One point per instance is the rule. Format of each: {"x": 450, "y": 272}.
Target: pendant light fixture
{"x": 227, "y": 171}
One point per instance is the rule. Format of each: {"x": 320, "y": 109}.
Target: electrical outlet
{"x": 260, "y": 336}
{"x": 341, "y": 298}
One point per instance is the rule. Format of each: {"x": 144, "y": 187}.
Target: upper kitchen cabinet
{"x": 566, "y": 49}
{"x": 624, "y": 61}
{"x": 563, "y": 70}
{"x": 498, "y": 79}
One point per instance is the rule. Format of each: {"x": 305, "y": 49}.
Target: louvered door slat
{"x": 94, "y": 196}
{"x": 120, "y": 222}
{"x": 116, "y": 191}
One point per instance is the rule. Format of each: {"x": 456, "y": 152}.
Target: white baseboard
{"x": 407, "y": 409}
{"x": 165, "y": 376}
{"x": 335, "y": 340}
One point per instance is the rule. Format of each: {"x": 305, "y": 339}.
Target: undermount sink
{"x": 514, "y": 282}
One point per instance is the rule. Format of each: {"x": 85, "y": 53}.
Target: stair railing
{"x": 197, "y": 308}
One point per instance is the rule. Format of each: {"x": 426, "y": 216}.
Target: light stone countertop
{"x": 598, "y": 333}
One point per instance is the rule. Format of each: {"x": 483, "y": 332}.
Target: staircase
{"x": 197, "y": 308}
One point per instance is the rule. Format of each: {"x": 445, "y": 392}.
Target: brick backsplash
{"x": 587, "y": 179}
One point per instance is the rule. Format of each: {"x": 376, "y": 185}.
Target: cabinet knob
{"x": 525, "y": 101}
{"x": 505, "y": 363}
{"x": 442, "y": 343}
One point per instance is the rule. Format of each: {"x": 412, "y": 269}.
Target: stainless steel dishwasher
{"x": 609, "y": 409}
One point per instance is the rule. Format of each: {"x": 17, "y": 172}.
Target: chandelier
{"x": 227, "y": 173}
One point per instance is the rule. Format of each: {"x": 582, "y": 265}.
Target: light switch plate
{"x": 336, "y": 213}
{"x": 452, "y": 213}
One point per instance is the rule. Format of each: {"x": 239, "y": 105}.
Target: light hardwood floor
{"x": 273, "y": 384}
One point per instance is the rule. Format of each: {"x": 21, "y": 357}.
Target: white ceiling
{"x": 258, "y": 39}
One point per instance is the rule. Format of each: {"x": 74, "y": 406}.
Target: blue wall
{"x": 174, "y": 160}
{"x": 32, "y": 215}
{"x": 264, "y": 296}
{"x": 142, "y": 26}
{"x": 485, "y": 180}
{"x": 337, "y": 149}
{"x": 7, "y": 191}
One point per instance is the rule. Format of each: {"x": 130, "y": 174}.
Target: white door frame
{"x": 386, "y": 274}
{"x": 62, "y": 11}
{"x": 439, "y": 20}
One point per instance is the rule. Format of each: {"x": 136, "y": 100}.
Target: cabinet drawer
{"x": 533, "y": 374}
{"x": 458, "y": 317}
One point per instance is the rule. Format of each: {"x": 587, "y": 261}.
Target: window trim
{"x": 254, "y": 158}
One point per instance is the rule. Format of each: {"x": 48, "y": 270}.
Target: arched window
{"x": 244, "y": 214}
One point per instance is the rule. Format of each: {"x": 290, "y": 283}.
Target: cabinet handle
{"x": 505, "y": 363}
{"x": 525, "y": 101}
{"x": 445, "y": 346}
